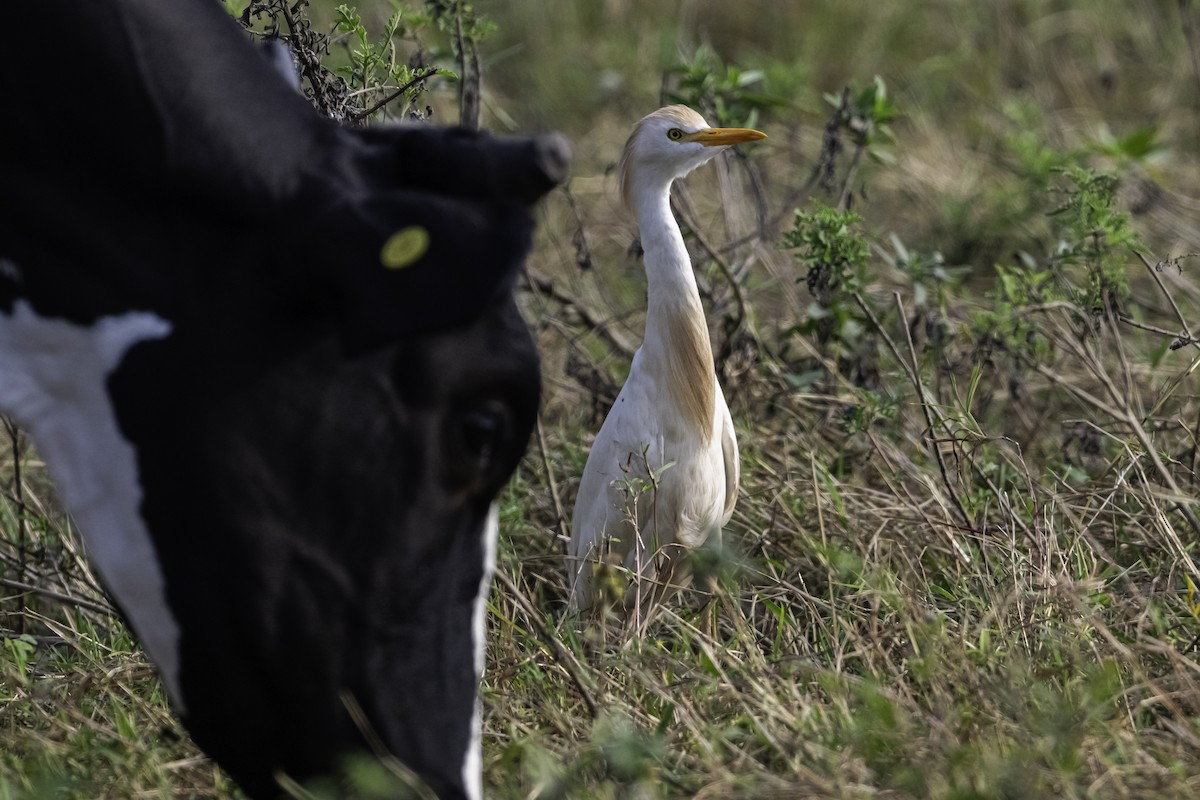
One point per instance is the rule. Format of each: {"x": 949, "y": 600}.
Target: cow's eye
{"x": 478, "y": 439}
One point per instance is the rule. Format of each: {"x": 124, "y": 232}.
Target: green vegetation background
{"x": 963, "y": 563}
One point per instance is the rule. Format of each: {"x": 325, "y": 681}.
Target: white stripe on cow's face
{"x": 472, "y": 769}
{"x": 52, "y": 381}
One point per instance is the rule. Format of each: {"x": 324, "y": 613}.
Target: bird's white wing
{"x": 599, "y": 522}
{"x": 591, "y": 503}
{"x": 733, "y": 465}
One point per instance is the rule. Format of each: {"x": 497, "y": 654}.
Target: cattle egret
{"x": 275, "y": 369}
{"x": 662, "y": 475}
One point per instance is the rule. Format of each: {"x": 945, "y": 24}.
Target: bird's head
{"x": 668, "y": 144}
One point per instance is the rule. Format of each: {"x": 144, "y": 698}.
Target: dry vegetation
{"x": 963, "y": 564}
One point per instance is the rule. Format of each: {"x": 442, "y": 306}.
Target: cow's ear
{"x": 400, "y": 264}
{"x": 419, "y": 228}
{"x": 279, "y": 56}
{"x": 461, "y": 163}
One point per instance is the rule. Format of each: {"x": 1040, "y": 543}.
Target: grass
{"x": 963, "y": 560}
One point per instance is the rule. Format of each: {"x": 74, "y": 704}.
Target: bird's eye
{"x": 674, "y": 134}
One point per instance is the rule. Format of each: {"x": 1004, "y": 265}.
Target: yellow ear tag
{"x": 404, "y": 247}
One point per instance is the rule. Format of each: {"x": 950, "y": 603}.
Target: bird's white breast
{"x": 641, "y": 441}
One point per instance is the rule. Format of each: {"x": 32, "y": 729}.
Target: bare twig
{"x": 428, "y": 73}
{"x": 550, "y": 481}
{"x": 823, "y": 172}
{"x": 583, "y": 252}
{"x": 470, "y": 78}
{"x": 65, "y": 599}
{"x": 933, "y": 417}
{"x": 851, "y": 173}
{"x": 310, "y": 64}
{"x": 603, "y": 329}
{"x": 1080, "y": 394}
{"x": 1178, "y": 339}
{"x": 1130, "y": 416}
{"x": 1162, "y": 288}
{"x": 18, "y": 496}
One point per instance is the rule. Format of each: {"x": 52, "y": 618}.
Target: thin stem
{"x": 469, "y": 76}
{"x": 65, "y": 599}
{"x": 550, "y": 481}
{"x": 603, "y": 329}
{"x": 14, "y": 438}
{"x": 428, "y": 73}
{"x": 933, "y": 419}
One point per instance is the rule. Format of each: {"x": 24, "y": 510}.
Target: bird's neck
{"x": 676, "y": 344}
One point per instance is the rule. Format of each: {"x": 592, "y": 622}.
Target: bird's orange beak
{"x": 715, "y": 137}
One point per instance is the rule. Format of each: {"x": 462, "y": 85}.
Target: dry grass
{"x": 998, "y": 633}
{"x": 998, "y": 630}
{"x": 958, "y": 568}
{"x": 987, "y": 589}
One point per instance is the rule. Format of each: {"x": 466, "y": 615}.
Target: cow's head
{"x": 276, "y": 370}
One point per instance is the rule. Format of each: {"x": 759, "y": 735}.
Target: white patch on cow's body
{"x": 472, "y": 770}
{"x": 53, "y": 376}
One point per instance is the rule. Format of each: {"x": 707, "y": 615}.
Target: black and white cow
{"x": 275, "y": 369}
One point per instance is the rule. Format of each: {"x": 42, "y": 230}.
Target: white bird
{"x": 662, "y": 475}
